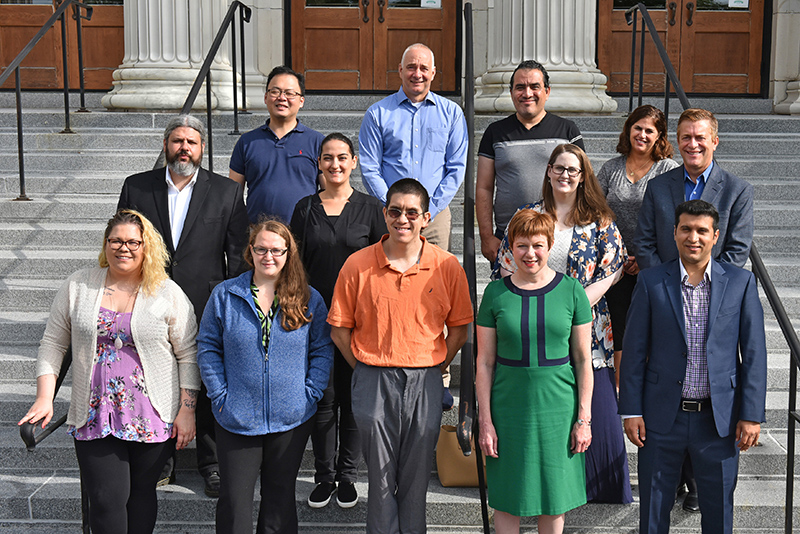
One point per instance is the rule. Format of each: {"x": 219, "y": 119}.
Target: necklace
{"x": 633, "y": 172}
{"x": 115, "y": 323}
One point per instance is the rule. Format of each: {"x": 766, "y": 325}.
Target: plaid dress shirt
{"x": 695, "y": 317}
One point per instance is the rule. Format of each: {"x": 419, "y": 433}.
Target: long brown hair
{"x": 291, "y": 288}
{"x": 590, "y": 202}
{"x": 154, "y": 252}
{"x": 662, "y": 148}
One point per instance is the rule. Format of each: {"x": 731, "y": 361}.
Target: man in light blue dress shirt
{"x": 415, "y": 133}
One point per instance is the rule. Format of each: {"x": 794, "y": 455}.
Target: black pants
{"x": 120, "y": 478}
{"x": 334, "y": 418}
{"x": 276, "y": 458}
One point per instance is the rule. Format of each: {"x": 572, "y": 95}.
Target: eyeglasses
{"x": 116, "y": 244}
{"x": 275, "y": 92}
{"x": 411, "y": 215}
{"x": 275, "y": 252}
{"x": 572, "y": 172}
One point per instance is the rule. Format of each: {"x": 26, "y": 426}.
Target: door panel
{"x": 436, "y": 28}
{"x": 722, "y": 49}
{"x": 103, "y": 46}
{"x": 332, "y": 45}
{"x": 347, "y": 45}
{"x": 614, "y": 51}
{"x": 719, "y": 52}
{"x": 18, "y": 24}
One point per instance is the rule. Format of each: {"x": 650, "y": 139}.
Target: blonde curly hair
{"x": 153, "y": 248}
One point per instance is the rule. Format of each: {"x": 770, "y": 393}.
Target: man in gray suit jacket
{"x": 700, "y": 177}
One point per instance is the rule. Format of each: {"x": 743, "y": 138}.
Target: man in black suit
{"x": 203, "y": 221}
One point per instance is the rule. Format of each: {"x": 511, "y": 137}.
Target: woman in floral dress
{"x": 134, "y": 373}
{"x": 588, "y": 247}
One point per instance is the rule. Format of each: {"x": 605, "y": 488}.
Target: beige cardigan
{"x": 163, "y": 328}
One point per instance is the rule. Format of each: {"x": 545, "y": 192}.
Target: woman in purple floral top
{"x": 588, "y": 247}
{"x": 134, "y": 373}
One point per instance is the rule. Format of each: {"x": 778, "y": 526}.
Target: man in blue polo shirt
{"x": 278, "y": 161}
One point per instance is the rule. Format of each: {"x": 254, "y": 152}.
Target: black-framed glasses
{"x": 276, "y": 92}
{"x": 572, "y": 172}
{"x": 275, "y": 252}
{"x": 411, "y": 215}
{"x": 116, "y": 244}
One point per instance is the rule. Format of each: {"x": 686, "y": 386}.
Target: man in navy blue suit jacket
{"x": 699, "y": 177}
{"x": 694, "y": 374}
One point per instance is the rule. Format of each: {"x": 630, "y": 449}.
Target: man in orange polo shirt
{"x": 390, "y": 307}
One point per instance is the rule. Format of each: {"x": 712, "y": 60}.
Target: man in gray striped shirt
{"x": 513, "y": 154}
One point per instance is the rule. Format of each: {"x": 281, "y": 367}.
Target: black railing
{"x": 14, "y": 67}
{"x": 671, "y": 76}
{"x": 466, "y": 429}
{"x": 757, "y": 264}
{"x": 204, "y": 76}
{"x": 790, "y": 335}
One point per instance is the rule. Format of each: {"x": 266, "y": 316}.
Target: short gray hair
{"x": 187, "y": 121}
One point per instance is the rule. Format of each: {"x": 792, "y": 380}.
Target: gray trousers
{"x": 398, "y": 412}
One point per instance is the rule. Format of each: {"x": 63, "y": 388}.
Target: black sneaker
{"x": 212, "y": 484}
{"x": 346, "y": 496}
{"x": 321, "y": 495}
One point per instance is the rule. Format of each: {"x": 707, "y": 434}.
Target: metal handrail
{"x": 467, "y": 422}
{"x": 15, "y": 65}
{"x": 671, "y": 76}
{"x": 757, "y": 264}
{"x": 790, "y": 335}
{"x": 204, "y": 75}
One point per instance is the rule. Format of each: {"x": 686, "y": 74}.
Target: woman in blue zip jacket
{"x": 265, "y": 356}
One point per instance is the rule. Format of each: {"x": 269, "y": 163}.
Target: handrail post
{"x": 641, "y": 64}
{"x": 67, "y": 129}
{"x": 76, "y": 14}
{"x": 666, "y": 98}
{"x": 233, "y": 74}
{"x": 241, "y": 47}
{"x": 790, "y": 443}
{"x": 20, "y": 151}
{"x": 633, "y": 63}
{"x": 210, "y": 142}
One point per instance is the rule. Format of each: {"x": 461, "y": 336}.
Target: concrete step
{"x": 49, "y": 494}
{"x": 22, "y": 268}
{"x": 36, "y": 139}
{"x": 51, "y": 235}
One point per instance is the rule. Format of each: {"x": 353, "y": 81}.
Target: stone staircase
{"x": 74, "y": 181}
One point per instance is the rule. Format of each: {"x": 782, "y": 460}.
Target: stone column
{"x": 166, "y": 42}
{"x": 264, "y": 38}
{"x": 786, "y": 57}
{"x": 559, "y": 34}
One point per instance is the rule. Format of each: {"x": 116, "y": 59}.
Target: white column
{"x": 559, "y": 34}
{"x": 786, "y": 57}
{"x": 166, "y": 42}
{"x": 264, "y": 39}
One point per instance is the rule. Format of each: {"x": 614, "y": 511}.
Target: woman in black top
{"x": 330, "y": 226}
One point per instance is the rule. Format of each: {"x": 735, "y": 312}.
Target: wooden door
{"x": 715, "y": 49}
{"x": 356, "y": 45}
{"x": 18, "y": 24}
{"x": 721, "y": 47}
{"x": 103, "y": 46}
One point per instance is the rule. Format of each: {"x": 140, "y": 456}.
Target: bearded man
{"x": 203, "y": 221}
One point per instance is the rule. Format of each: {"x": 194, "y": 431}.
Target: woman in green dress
{"x": 534, "y": 384}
